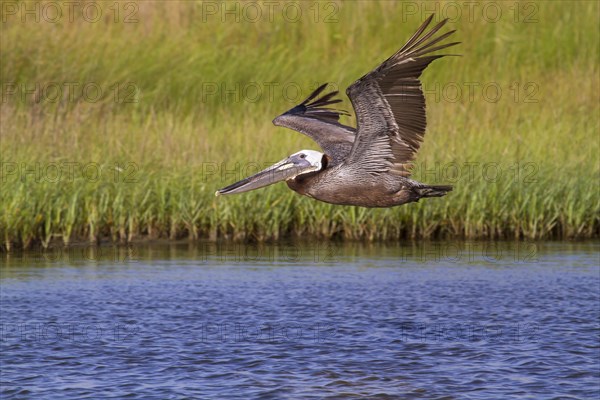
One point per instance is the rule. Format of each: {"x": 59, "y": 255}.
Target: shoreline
{"x": 147, "y": 241}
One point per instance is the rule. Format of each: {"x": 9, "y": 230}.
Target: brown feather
{"x": 390, "y": 105}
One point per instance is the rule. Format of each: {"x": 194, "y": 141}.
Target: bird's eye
{"x": 302, "y": 155}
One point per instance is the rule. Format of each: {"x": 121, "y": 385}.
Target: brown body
{"x": 333, "y": 186}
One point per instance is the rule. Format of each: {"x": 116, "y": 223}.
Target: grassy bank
{"x": 122, "y": 130}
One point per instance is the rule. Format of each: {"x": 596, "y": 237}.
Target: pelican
{"x": 368, "y": 166}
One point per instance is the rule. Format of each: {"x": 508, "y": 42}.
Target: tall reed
{"x": 180, "y": 103}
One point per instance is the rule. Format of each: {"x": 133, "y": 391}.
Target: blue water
{"x": 432, "y": 321}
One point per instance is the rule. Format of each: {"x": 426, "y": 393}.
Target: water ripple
{"x": 175, "y": 329}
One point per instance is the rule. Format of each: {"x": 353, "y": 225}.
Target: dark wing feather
{"x": 390, "y": 106}
{"x": 321, "y": 123}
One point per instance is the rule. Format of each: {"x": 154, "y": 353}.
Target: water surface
{"x": 310, "y": 320}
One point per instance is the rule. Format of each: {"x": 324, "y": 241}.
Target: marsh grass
{"x": 534, "y": 151}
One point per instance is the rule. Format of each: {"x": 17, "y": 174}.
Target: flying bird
{"x": 369, "y": 165}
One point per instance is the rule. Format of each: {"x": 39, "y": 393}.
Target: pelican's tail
{"x": 433, "y": 191}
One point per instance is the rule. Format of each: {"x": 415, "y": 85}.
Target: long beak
{"x": 283, "y": 170}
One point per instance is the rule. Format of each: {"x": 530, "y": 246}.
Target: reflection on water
{"x": 302, "y": 320}
{"x": 306, "y": 253}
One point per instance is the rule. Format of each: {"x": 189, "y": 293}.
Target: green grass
{"x": 538, "y": 143}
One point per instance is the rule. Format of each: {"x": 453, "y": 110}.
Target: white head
{"x": 311, "y": 157}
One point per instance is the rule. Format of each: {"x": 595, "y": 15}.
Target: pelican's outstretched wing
{"x": 314, "y": 119}
{"x": 390, "y": 106}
